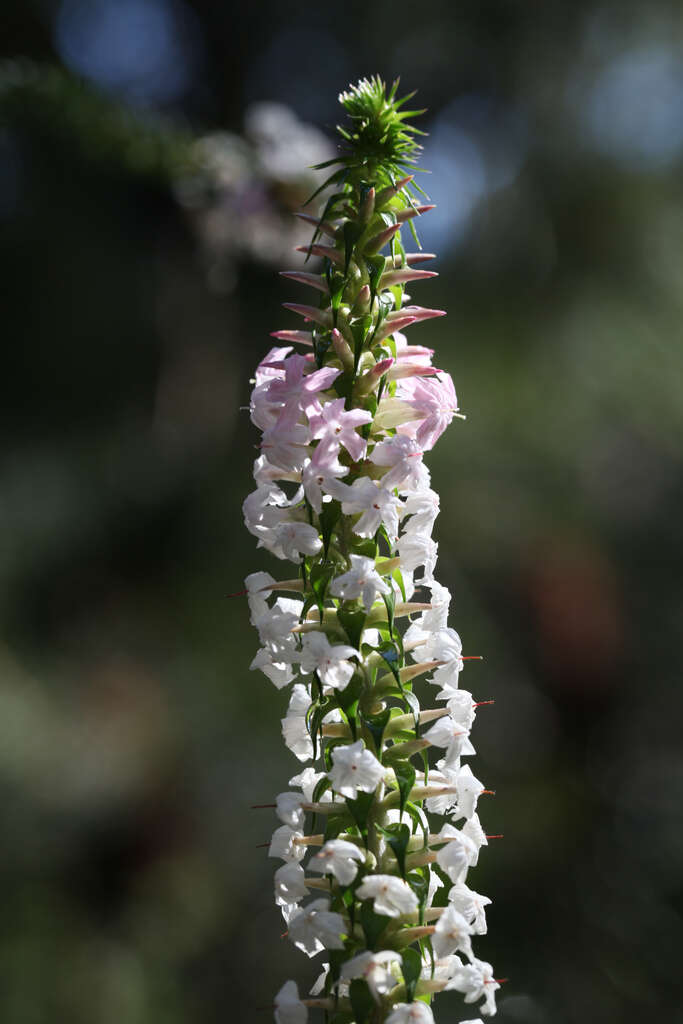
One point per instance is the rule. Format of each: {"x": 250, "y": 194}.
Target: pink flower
{"x": 435, "y": 401}
{"x": 294, "y": 391}
{"x": 334, "y": 424}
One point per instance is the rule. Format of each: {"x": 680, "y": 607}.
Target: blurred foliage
{"x": 139, "y": 246}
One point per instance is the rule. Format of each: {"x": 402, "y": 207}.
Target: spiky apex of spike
{"x": 379, "y": 133}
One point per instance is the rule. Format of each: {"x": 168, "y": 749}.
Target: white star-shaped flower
{"x": 288, "y": 809}
{"x": 289, "y": 885}
{"x": 476, "y": 981}
{"x": 339, "y": 858}
{"x": 471, "y": 905}
{"x": 362, "y": 580}
{"x": 452, "y": 934}
{"x": 392, "y": 895}
{"x": 316, "y": 927}
{"x": 411, "y": 1013}
{"x": 354, "y": 768}
{"x": 282, "y": 844}
{"x": 328, "y": 660}
{"x": 451, "y": 735}
{"x": 457, "y": 854}
{"x": 288, "y": 1007}
{"x": 469, "y": 790}
{"x": 373, "y": 967}
{"x": 294, "y": 729}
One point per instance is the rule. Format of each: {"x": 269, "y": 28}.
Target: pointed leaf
{"x": 405, "y": 777}
{"x": 411, "y": 965}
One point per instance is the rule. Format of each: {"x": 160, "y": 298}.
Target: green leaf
{"x": 376, "y": 724}
{"x": 360, "y": 808}
{"x": 320, "y": 576}
{"x": 419, "y": 883}
{"x": 353, "y": 621}
{"x": 411, "y": 965}
{"x": 397, "y": 836}
{"x": 322, "y": 341}
{"x": 328, "y": 518}
{"x": 405, "y": 777}
{"x": 373, "y": 924}
{"x": 348, "y": 701}
{"x": 352, "y": 232}
{"x": 339, "y": 175}
{"x": 361, "y": 1000}
{"x": 335, "y": 825}
{"x": 375, "y": 265}
{"x": 414, "y": 812}
{"x": 390, "y": 653}
{"x": 314, "y": 717}
{"x": 365, "y": 547}
{"x": 321, "y": 787}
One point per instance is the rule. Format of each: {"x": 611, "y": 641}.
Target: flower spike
{"x": 342, "y": 491}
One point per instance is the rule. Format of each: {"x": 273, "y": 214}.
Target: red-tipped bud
{"x": 301, "y": 337}
{"x": 387, "y": 194}
{"x": 320, "y": 316}
{"x": 380, "y": 240}
{"x": 323, "y": 250}
{"x": 343, "y": 350}
{"x": 321, "y": 225}
{"x": 393, "y": 277}
{"x": 363, "y": 298}
{"x": 367, "y": 207}
{"x": 418, "y": 312}
{"x": 390, "y": 326}
{"x": 414, "y": 211}
{"x": 314, "y": 280}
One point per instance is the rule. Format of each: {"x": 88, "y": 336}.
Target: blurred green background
{"x": 151, "y": 155}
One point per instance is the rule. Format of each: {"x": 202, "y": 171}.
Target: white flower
{"x": 457, "y": 854}
{"x": 294, "y": 729}
{"x": 280, "y": 673}
{"x": 444, "y": 645}
{"x": 444, "y": 776}
{"x": 362, "y": 580}
{"x": 337, "y": 858}
{"x": 476, "y": 981}
{"x": 392, "y": 895}
{"x": 289, "y": 810}
{"x": 452, "y": 934}
{"x": 461, "y": 708}
{"x": 275, "y": 624}
{"x": 316, "y": 927}
{"x": 423, "y": 507}
{"x": 373, "y": 968}
{"x": 307, "y": 780}
{"x": 256, "y": 595}
{"x": 288, "y": 1007}
{"x": 354, "y": 768}
{"x": 282, "y": 844}
{"x": 329, "y": 661}
{"x": 296, "y": 539}
{"x": 289, "y": 885}
{"x": 404, "y": 459}
{"x": 447, "y": 733}
{"x": 415, "y": 550}
{"x": 472, "y": 828}
{"x": 378, "y": 505}
{"x": 471, "y": 905}
{"x": 469, "y": 791}
{"x": 411, "y": 1013}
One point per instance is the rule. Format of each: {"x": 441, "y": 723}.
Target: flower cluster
{"x": 343, "y": 492}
